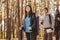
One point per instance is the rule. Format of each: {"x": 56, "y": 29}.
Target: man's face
{"x": 45, "y": 11}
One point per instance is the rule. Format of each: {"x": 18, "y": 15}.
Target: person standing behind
{"x": 47, "y": 25}
{"x": 29, "y": 23}
{"x": 57, "y": 24}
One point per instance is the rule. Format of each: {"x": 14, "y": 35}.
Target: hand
{"x": 20, "y": 28}
{"x": 49, "y": 30}
{"x": 58, "y": 19}
{"x": 30, "y": 28}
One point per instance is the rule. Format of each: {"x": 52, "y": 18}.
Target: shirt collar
{"x": 46, "y": 14}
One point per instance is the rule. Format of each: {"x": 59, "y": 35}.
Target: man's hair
{"x": 46, "y": 9}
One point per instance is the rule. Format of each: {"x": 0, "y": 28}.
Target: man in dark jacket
{"x": 57, "y": 24}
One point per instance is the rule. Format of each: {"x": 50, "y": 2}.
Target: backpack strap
{"x": 50, "y": 21}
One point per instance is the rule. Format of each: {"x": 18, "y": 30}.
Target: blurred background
{"x": 11, "y": 11}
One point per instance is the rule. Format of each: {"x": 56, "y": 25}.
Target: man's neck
{"x": 46, "y": 13}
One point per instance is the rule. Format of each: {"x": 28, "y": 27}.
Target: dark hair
{"x": 57, "y": 11}
{"x": 30, "y": 12}
{"x": 46, "y": 8}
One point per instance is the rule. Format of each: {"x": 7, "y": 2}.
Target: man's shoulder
{"x": 50, "y": 15}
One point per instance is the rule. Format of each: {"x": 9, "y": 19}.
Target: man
{"x": 57, "y": 24}
{"x": 47, "y": 25}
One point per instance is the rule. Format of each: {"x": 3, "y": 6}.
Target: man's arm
{"x": 53, "y": 21}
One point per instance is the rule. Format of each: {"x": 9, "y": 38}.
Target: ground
{"x": 25, "y": 39}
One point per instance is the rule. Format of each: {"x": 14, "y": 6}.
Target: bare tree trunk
{"x": 19, "y": 25}
{"x": 8, "y": 32}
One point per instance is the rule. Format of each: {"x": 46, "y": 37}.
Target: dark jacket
{"x": 57, "y": 23}
{"x": 35, "y": 24}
